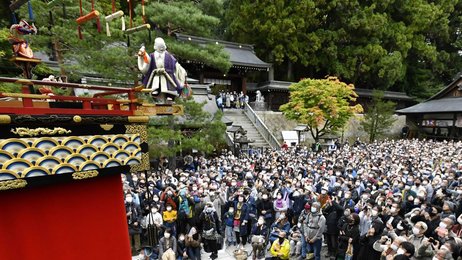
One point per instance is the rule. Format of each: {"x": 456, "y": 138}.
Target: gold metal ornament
{"x": 106, "y": 127}
{"x": 77, "y": 119}
{"x": 5, "y": 119}
{"x": 84, "y": 175}
{"x": 143, "y": 166}
{"x": 24, "y": 131}
{"x": 138, "y": 129}
{"x": 12, "y": 184}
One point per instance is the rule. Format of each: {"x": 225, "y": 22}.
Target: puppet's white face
{"x": 159, "y": 45}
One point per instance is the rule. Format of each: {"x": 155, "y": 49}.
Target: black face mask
{"x": 281, "y": 240}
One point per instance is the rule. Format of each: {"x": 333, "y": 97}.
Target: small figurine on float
{"x": 21, "y": 47}
{"x": 47, "y": 90}
{"x": 162, "y": 73}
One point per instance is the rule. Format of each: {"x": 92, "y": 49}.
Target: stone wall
{"x": 276, "y": 122}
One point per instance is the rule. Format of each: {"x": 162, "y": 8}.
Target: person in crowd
{"x": 332, "y": 212}
{"x": 280, "y": 248}
{"x": 133, "y": 213}
{"x": 181, "y": 252}
{"x": 169, "y": 217}
{"x": 313, "y": 227}
{"x": 265, "y": 208}
{"x": 295, "y": 239}
{"x": 167, "y": 246}
{"x": 349, "y": 235}
{"x": 193, "y": 244}
{"x": 210, "y": 227}
{"x": 229, "y": 227}
{"x": 259, "y": 236}
{"x": 241, "y": 218}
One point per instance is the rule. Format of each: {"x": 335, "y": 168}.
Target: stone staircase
{"x": 238, "y": 117}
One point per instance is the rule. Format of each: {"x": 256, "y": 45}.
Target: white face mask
{"x": 279, "y": 197}
{"x": 323, "y": 192}
{"x": 415, "y": 230}
{"x": 260, "y": 222}
{"x": 442, "y": 225}
{"x": 394, "y": 247}
{"x": 154, "y": 210}
{"x": 167, "y": 235}
{"x": 156, "y": 199}
{"x": 129, "y": 199}
{"x": 265, "y": 197}
{"x": 400, "y": 251}
{"x": 181, "y": 238}
{"x": 169, "y": 208}
{"x": 392, "y": 210}
{"x": 459, "y": 220}
{"x": 313, "y": 210}
{"x": 374, "y": 213}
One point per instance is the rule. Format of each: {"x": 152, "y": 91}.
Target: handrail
{"x": 260, "y": 126}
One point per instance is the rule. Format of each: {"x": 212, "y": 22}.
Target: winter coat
{"x": 367, "y": 251}
{"x": 332, "y": 215}
{"x": 351, "y": 231}
{"x": 265, "y": 205}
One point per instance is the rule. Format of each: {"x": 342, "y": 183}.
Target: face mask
{"x": 415, "y": 230}
{"x": 323, "y": 192}
{"x": 169, "y": 208}
{"x": 241, "y": 199}
{"x": 313, "y": 210}
{"x": 279, "y": 197}
{"x": 400, "y": 251}
{"x": 394, "y": 247}
{"x": 231, "y": 210}
{"x": 265, "y": 197}
{"x": 260, "y": 222}
{"x": 156, "y": 199}
{"x": 299, "y": 225}
{"x": 167, "y": 235}
{"x": 181, "y": 238}
{"x": 347, "y": 196}
{"x": 233, "y": 184}
{"x": 154, "y": 210}
{"x": 129, "y": 199}
{"x": 346, "y": 213}
{"x": 442, "y": 225}
{"x": 393, "y": 210}
{"x": 459, "y": 220}
{"x": 374, "y": 213}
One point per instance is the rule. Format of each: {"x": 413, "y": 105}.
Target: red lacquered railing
{"x": 39, "y": 104}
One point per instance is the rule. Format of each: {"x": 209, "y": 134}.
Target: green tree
{"x": 114, "y": 57}
{"x": 378, "y": 117}
{"x": 197, "y": 129}
{"x": 410, "y": 46}
{"x": 324, "y": 105}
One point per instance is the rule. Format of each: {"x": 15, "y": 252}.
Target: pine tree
{"x": 379, "y": 117}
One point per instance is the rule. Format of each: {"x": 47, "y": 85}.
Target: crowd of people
{"x": 231, "y": 100}
{"x": 393, "y": 199}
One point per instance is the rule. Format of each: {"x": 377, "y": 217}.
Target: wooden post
{"x": 244, "y": 85}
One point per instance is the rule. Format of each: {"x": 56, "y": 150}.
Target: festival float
{"x": 61, "y": 158}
